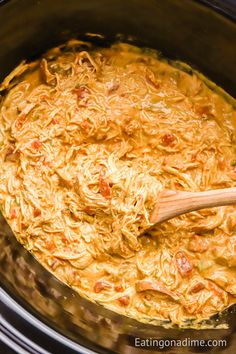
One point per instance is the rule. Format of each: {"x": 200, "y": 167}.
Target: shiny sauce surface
{"x": 88, "y": 139}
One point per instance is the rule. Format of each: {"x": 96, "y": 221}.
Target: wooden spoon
{"x": 174, "y": 203}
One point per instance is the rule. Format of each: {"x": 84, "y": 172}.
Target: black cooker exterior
{"x": 39, "y": 314}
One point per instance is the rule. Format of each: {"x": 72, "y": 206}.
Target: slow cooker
{"x": 39, "y": 314}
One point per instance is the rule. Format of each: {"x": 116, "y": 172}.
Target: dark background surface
{"x": 5, "y": 349}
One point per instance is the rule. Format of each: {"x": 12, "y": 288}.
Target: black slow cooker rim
{"x": 13, "y": 336}
{"x": 226, "y": 8}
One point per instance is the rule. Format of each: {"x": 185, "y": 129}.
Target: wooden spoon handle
{"x": 172, "y": 203}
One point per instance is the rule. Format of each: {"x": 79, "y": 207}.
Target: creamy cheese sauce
{"x": 88, "y": 139}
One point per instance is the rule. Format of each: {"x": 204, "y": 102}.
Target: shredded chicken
{"x": 88, "y": 140}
